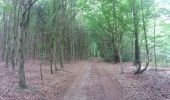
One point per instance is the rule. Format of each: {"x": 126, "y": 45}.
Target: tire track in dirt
{"x": 93, "y": 83}
{"x": 111, "y": 86}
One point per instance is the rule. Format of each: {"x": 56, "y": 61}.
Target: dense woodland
{"x": 64, "y": 31}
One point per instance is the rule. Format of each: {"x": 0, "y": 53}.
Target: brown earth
{"x": 85, "y": 80}
{"x": 94, "y": 83}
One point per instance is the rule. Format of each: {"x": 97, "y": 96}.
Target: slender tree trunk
{"x": 61, "y": 32}
{"x": 146, "y": 40}
{"x": 14, "y": 36}
{"x": 155, "y": 46}
{"x": 41, "y": 73}
{"x": 121, "y": 65}
{"x": 24, "y": 25}
{"x": 18, "y": 35}
{"x": 22, "y": 82}
{"x": 51, "y": 54}
{"x": 55, "y": 35}
{"x": 55, "y": 58}
{"x": 6, "y": 31}
{"x": 7, "y": 51}
{"x": 42, "y": 57}
{"x": 8, "y": 42}
{"x": 137, "y": 48}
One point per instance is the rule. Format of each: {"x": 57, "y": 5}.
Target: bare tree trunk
{"x": 117, "y": 55}
{"x": 121, "y": 65}
{"x": 14, "y": 36}
{"x": 155, "y": 45}
{"x": 146, "y": 40}
{"x": 6, "y": 31}
{"x": 41, "y": 73}
{"x": 61, "y": 32}
{"x": 8, "y": 42}
{"x": 55, "y": 27}
{"x": 137, "y": 48}
{"x": 55, "y": 58}
{"x": 26, "y": 7}
{"x": 18, "y": 35}
{"x": 22, "y": 82}
{"x": 51, "y": 57}
{"x": 42, "y": 57}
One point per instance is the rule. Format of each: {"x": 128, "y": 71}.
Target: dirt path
{"x": 94, "y": 83}
{"x": 85, "y": 80}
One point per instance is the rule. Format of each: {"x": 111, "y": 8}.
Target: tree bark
{"x": 14, "y": 36}
{"x": 155, "y": 46}
{"x": 26, "y": 7}
{"x": 137, "y": 48}
{"x": 146, "y": 40}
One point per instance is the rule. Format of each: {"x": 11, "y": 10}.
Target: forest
{"x": 84, "y": 49}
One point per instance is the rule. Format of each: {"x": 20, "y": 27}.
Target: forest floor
{"x": 85, "y": 80}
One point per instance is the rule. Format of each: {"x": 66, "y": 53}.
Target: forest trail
{"x": 94, "y": 83}
{"x": 85, "y": 80}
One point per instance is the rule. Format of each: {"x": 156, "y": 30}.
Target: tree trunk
{"x": 146, "y": 40}
{"x": 137, "y": 48}
{"x": 42, "y": 57}
{"x": 14, "y": 36}
{"x": 155, "y": 46}
{"x": 51, "y": 53}
{"x": 117, "y": 55}
{"x": 23, "y": 25}
{"x": 22, "y": 82}
{"x": 61, "y": 32}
